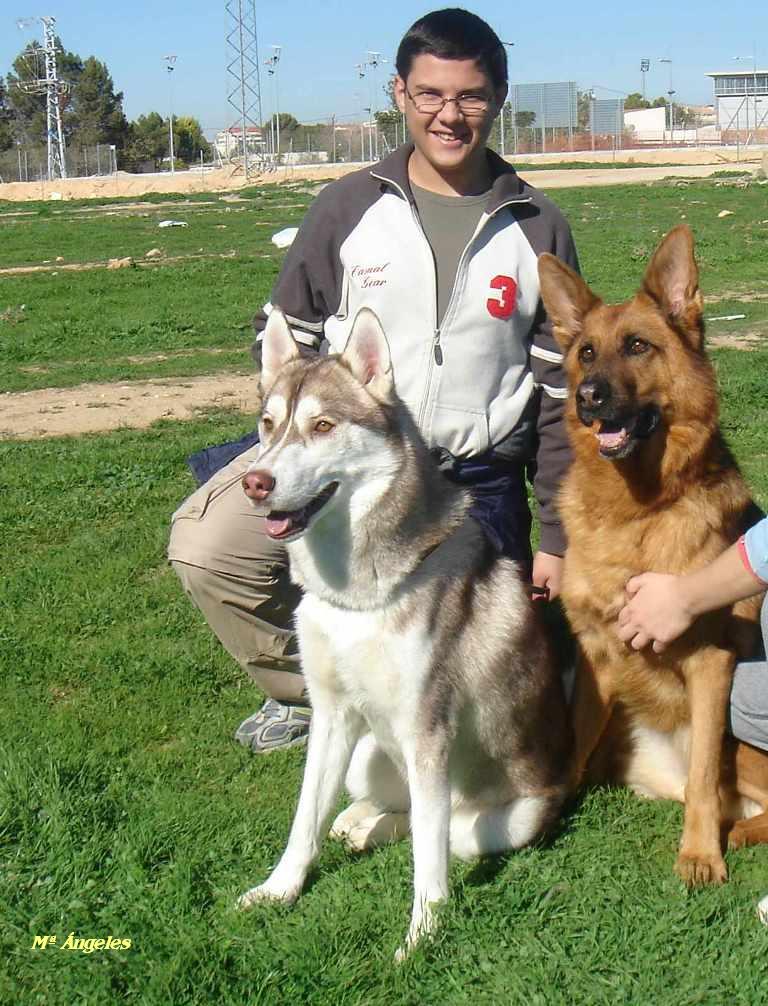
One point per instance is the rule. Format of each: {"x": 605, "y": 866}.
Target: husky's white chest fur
{"x": 369, "y": 662}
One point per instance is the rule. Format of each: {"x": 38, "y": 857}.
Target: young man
{"x": 441, "y": 240}
{"x": 660, "y": 607}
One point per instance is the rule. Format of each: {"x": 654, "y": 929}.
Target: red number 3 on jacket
{"x": 503, "y": 303}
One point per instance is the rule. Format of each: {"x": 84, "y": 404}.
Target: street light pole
{"x": 671, "y": 94}
{"x": 509, "y": 45}
{"x": 272, "y": 62}
{"x": 374, "y": 60}
{"x": 753, "y": 57}
{"x": 170, "y": 60}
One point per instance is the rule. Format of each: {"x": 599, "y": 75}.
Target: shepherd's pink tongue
{"x": 611, "y": 439}
{"x": 278, "y": 526}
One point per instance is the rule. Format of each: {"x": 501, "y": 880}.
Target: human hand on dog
{"x": 656, "y": 611}
{"x": 546, "y": 576}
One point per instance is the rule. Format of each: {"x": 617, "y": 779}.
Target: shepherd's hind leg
{"x": 499, "y": 829}
{"x": 749, "y": 831}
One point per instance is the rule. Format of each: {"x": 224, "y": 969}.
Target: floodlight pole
{"x": 170, "y": 60}
{"x": 645, "y": 65}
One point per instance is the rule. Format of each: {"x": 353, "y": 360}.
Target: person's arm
{"x": 308, "y": 289}
{"x": 660, "y": 607}
{"x": 553, "y": 454}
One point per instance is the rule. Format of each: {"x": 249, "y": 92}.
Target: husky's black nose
{"x": 258, "y": 485}
{"x": 592, "y": 396}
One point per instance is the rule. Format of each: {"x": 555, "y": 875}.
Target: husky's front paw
{"x": 698, "y": 870}
{"x": 270, "y": 890}
{"x": 422, "y": 925}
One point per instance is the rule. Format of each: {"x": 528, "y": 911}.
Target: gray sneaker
{"x": 275, "y": 726}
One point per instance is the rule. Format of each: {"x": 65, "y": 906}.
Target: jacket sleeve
{"x": 553, "y": 452}
{"x": 309, "y": 287}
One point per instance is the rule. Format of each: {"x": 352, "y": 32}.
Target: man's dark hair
{"x": 454, "y": 33}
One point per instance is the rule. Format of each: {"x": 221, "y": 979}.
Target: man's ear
{"x": 367, "y": 355}
{"x": 567, "y": 298}
{"x": 399, "y": 92}
{"x": 672, "y": 280}
{"x": 278, "y": 347}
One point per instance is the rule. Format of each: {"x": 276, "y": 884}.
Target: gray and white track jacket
{"x": 489, "y": 377}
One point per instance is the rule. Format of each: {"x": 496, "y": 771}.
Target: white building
{"x": 648, "y": 124}
{"x": 741, "y": 99}
{"x": 229, "y": 142}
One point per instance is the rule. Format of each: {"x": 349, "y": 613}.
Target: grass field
{"x": 126, "y": 810}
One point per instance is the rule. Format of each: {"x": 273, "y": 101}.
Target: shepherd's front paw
{"x": 700, "y": 869}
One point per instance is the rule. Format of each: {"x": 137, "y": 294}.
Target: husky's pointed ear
{"x": 278, "y": 347}
{"x": 567, "y": 298}
{"x": 367, "y": 355}
{"x": 672, "y": 280}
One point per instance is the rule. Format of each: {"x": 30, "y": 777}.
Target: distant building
{"x": 741, "y": 99}
{"x": 229, "y": 142}
{"x": 648, "y": 124}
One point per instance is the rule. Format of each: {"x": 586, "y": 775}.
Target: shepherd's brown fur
{"x": 657, "y": 490}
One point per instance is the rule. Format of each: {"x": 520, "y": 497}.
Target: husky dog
{"x": 430, "y": 679}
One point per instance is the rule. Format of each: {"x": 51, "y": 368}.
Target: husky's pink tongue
{"x": 613, "y": 439}
{"x": 278, "y": 526}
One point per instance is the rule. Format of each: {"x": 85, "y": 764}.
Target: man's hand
{"x": 656, "y": 611}
{"x": 548, "y": 574}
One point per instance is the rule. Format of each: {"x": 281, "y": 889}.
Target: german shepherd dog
{"x": 431, "y": 684}
{"x": 653, "y": 486}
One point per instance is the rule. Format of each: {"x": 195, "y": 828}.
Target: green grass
{"x": 78, "y": 326}
{"x": 126, "y": 809}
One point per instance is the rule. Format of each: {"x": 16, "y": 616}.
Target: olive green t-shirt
{"x": 449, "y": 222}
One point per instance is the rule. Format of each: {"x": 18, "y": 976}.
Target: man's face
{"x": 449, "y": 138}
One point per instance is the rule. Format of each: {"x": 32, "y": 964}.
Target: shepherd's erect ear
{"x": 567, "y": 298}
{"x": 672, "y": 280}
{"x": 278, "y": 347}
{"x": 367, "y": 354}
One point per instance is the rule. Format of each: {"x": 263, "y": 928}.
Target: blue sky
{"x": 598, "y": 45}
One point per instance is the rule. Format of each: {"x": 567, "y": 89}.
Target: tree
{"x": 523, "y": 120}
{"x": 96, "y": 111}
{"x": 6, "y": 129}
{"x": 635, "y": 101}
{"x": 188, "y": 139}
{"x": 147, "y": 140}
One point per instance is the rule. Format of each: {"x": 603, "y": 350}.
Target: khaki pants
{"x": 238, "y": 577}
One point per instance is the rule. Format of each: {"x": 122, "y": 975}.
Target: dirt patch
{"x": 98, "y": 408}
{"x": 752, "y": 339}
{"x": 696, "y": 163}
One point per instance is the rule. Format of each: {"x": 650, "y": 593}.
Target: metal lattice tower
{"x": 52, "y": 88}
{"x": 244, "y": 94}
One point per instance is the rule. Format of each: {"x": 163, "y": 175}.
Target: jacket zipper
{"x": 437, "y": 351}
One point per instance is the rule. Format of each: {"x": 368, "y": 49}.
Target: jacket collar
{"x": 507, "y": 186}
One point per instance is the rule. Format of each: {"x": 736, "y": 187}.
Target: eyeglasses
{"x": 467, "y": 104}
